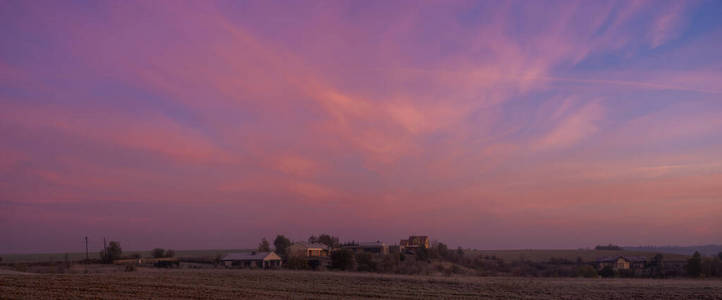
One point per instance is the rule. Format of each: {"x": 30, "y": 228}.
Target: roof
{"x": 371, "y": 244}
{"x": 252, "y": 256}
{"x": 628, "y": 258}
{"x": 375, "y": 244}
{"x": 311, "y": 245}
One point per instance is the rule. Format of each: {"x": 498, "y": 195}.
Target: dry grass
{"x": 78, "y": 256}
{"x": 290, "y": 284}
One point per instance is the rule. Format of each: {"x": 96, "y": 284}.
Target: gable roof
{"x": 252, "y": 256}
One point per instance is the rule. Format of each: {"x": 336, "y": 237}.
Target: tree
{"x": 719, "y": 255}
{"x": 657, "y": 266}
{"x": 460, "y": 252}
{"x": 342, "y": 259}
{"x": 111, "y": 253}
{"x": 328, "y": 240}
{"x": 694, "y": 265}
{"x": 442, "y": 249}
{"x": 157, "y": 252}
{"x": 264, "y": 246}
{"x": 169, "y": 253}
{"x": 281, "y": 243}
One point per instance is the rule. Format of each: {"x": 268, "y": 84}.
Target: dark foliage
{"x": 365, "y": 262}
{"x": 158, "y": 252}
{"x": 264, "y": 246}
{"x": 281, "y": 244}
{"x": 342, "y": 259}
{"x": 607, "y": 272}
{"x": 326, "y": 239}
{"x": 111, "y": 253}
{"x": 694, "y": 265}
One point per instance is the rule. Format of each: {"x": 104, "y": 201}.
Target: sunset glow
{"x": 485, "y": 124}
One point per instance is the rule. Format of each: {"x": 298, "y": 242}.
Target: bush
{"x": 296, "y": 262}
{"x": 390, "y": 263}
{"x": 694, "y": 265}
{"x": 157, "y": 252}
{"x": 342, "y": 259}
{"x": 607, "y": 272}
{"x": 365, "y": 262}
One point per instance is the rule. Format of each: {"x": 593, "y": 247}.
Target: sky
{"x": 483, "y": 124}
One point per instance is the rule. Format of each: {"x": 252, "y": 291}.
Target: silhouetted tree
{"x": 694, "y": 265}
{"x": 281, "y": 243}
{"x": 326, "y": 239}
{"x": 264, "y": 246}
{"x": 657, "y": 266}
{"x": 158, "y": 252}
{"x": 111, "y": 253}
{"x": 169, "y": 253}
{"x": 460, "y": 252}
{"x": 442, "y": 249}
{"x": 719, "y": 255}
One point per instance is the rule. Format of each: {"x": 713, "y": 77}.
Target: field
{"x": 77, "y": 256}
{"x": 333, "y": 285}
{"x": 536, "y": 255}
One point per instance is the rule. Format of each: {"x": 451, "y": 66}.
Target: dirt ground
{"x": 226, "y": 284}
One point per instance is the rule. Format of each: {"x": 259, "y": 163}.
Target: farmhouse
{"x": 263, "y": 260}
{"x": 376, "y": 247}
{"x": 415, "y": 241}
{"x": 622, "y": 262}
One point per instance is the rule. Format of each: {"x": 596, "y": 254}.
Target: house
{"x": 261, "y": 260}
{"x": 415, "y": 241}
{"x": 376, "y": 247}
{"x": 622, "y": 262}
{"x": 309, "y": 249}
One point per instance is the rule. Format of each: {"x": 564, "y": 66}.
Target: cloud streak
{"x": 287, "y": 117}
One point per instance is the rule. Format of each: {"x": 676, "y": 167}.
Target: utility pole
{"x": 86, "y": 249}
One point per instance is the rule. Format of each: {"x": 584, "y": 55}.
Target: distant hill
{"x": 707, "y": 250}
